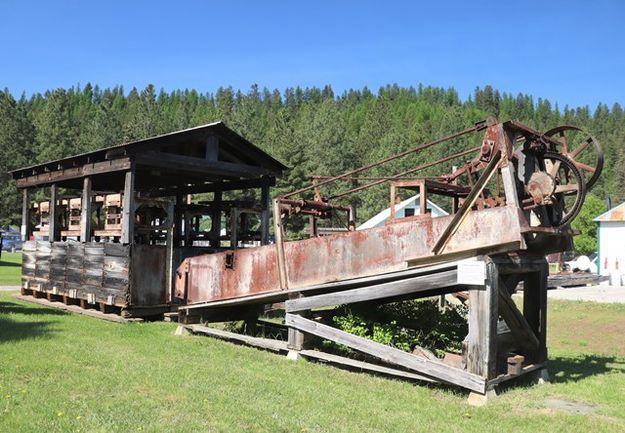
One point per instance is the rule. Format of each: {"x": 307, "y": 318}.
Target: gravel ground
{"x": 603, "y": 294}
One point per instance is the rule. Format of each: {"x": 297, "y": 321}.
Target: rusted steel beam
{"x": 459, "y": 217}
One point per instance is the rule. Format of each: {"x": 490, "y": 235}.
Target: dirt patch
{"x": 574, "y": 407}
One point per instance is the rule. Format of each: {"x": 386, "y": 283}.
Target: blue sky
{"x": 569, "y": 52}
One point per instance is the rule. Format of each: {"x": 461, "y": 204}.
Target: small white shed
{"x": 408, "y": 207}
{"x": 611, "y": 240}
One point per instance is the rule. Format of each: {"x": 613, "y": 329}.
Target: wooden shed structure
{"x": 114, "y": 224}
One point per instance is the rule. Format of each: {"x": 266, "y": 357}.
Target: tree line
{"x": 311, "y": 130}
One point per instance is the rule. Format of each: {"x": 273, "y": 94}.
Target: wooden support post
{"x": 85, "y": 211}
{"x": 169, "y": 271}
{"x": 128, "y": 216}
{"x": 423, "y": 204}
{"x": 215, "y": 232}
{"x": 391, "y": 217}
{"x": 178, "y": 221}
{"x": 278, "y": 229}
{"x": 25, "y": 214}
{"x": 481, "y": 356}
{"x": 312, "y": 226}
{"x": 188, "y": 228}
{"x": 264, "y": 215}
{"x": 296, "y": 338}
{"x": 53, "y": 227}
{"x": 455, "y": 201}
{"x": 509, "y": 184}
{"x": 234, "y": 227}
{"x": 535, "y": 307}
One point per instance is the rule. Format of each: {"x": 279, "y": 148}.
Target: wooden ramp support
{"x": 487, "y": 362}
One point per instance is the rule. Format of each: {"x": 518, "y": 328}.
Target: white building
{"x": 611, "y": 241}
{"x": 408, "y": 207}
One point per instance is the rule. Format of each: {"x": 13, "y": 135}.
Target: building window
{"x": 409, "y": 211}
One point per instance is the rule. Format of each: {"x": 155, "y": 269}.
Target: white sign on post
{"x": 472, "y": 273}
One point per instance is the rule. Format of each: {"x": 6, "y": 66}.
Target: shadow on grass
{"x": 574, "y": 369}
{"x": 14, "y": 330}
{"x": 10, "y": 264}
{"x": 11, "y": 330}
{"x": 14, "y": 308}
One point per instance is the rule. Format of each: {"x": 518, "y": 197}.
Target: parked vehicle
{"x": 583, "y": 264}
{"x": 11, "y": 241}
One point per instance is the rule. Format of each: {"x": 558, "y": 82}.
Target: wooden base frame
{"x": 503, "y": 342}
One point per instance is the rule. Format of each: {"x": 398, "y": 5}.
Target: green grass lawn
{"x": 10, "y": 269}
{"x": 70, "y": 373}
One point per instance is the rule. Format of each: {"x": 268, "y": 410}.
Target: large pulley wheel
{"x": 582, "y": 149}
{"x": 568, "y": 189}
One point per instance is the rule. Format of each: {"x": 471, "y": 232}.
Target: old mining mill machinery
{"x": 511, "y": 205}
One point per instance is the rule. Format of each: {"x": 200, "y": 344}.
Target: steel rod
{"x": 477, "y": 127}
{"x": 412, "y": 170}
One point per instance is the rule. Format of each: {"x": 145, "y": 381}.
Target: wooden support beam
{"x": 234, "y": 227}
{"x": 509, "y": 181}
{"x": 263, "y": 343}
{"x": 295, "y": 339}
{"x": 128, "y": 208}
{"x": 393, "y": 199}
{"x": 187, "y": 230}
{"x": 372, "y": 292}
{"x": 53, "y": 227}
{"x": 520, "y": 329}
{"x": 481, "y": 356}
{"x": 169, "y": 244}
{"x": 178, "y": 221}
{"x": 423, "y": 194}
{"x": 199, "y": 165}
{"x": 264, "y": 215}
{"x": 215, "y": 231}
{"x": 74, "y": 173}
{"x": 434, "y": 369}
{"x": 25, "y": 231}
{"x": 312, "y": 226}
{"x": 535, "y": 307}
{"x": 355, "y": 364}
{"x": 85, "y": 211}
{"x": 214, "y": 187}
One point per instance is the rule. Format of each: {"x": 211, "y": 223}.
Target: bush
{"x": 406, "y": 325}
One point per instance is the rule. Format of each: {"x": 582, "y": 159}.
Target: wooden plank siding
{"x": 98, "y": 272}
